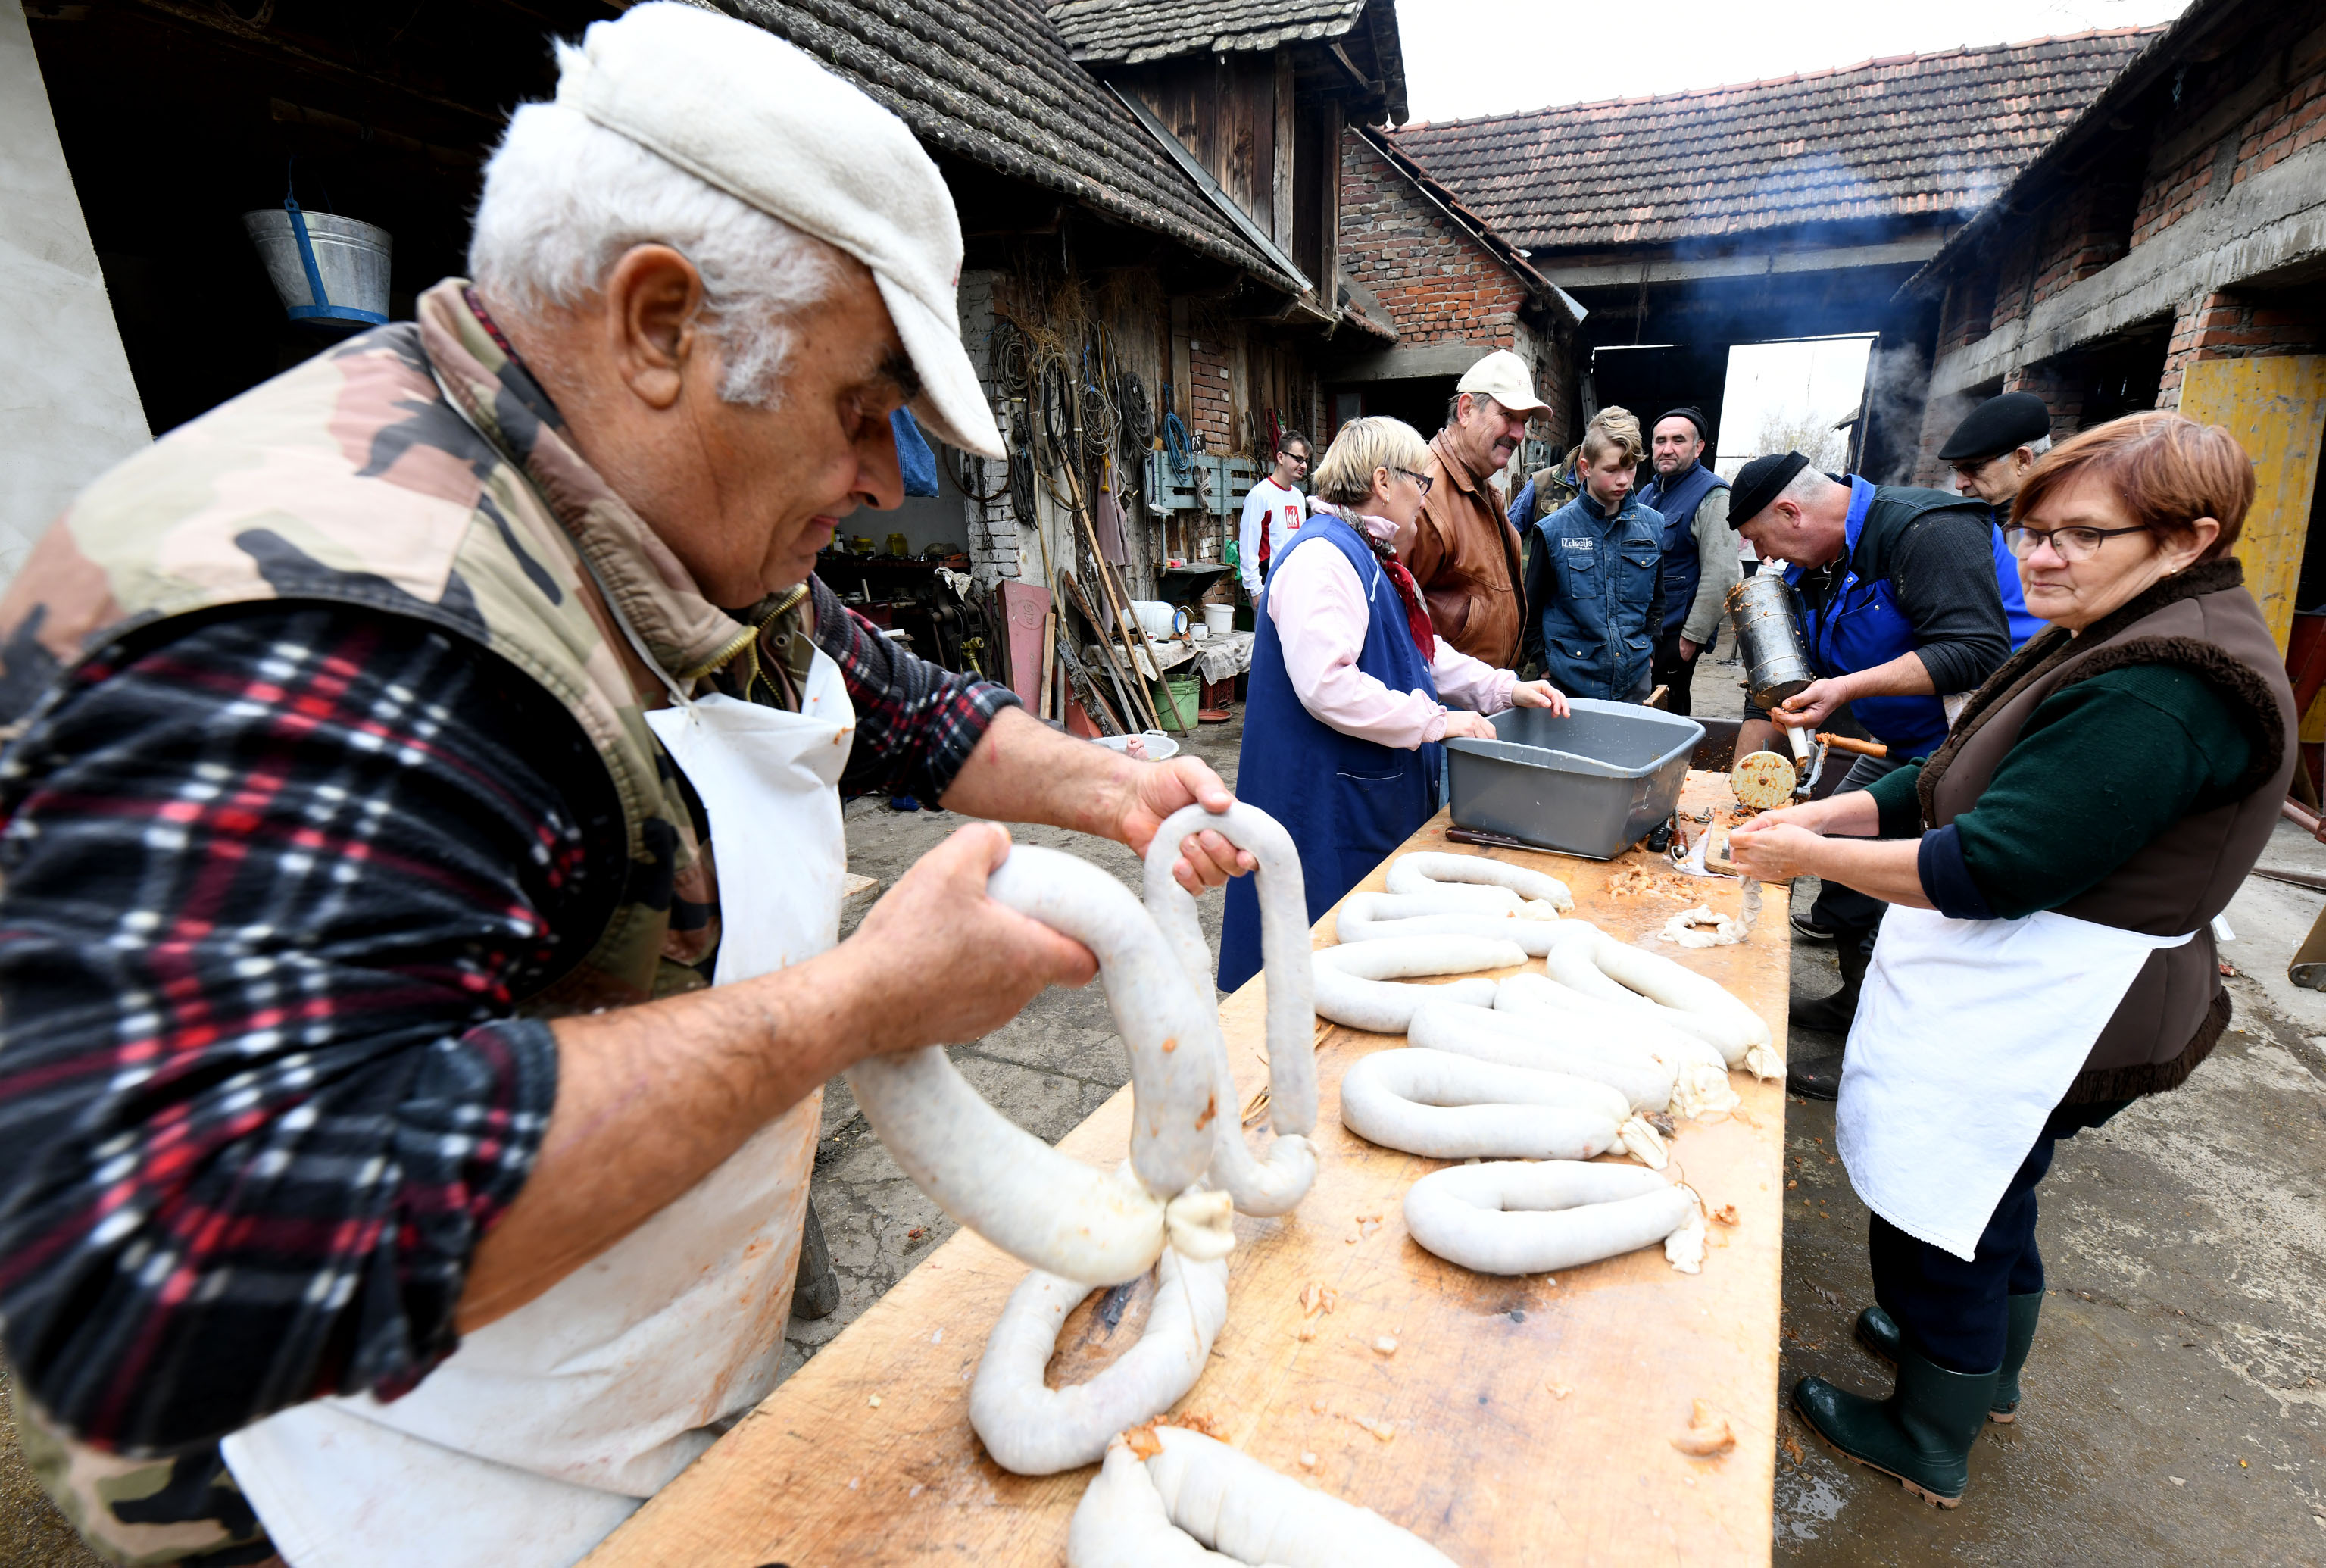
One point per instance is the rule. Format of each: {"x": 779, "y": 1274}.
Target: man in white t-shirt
{"x": 1273, "y": 511}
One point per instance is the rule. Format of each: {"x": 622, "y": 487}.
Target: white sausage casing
{"x": 1424, "y": 871}
{"x": 1200, "y": 1492}
{"x": 1521, "y": 1040}
{"x": 1458, "y": 1108}
{"x": 1031, "y": 1429}
{"x": 1521, "y": 1218}
{"x": 1354, "y": 982}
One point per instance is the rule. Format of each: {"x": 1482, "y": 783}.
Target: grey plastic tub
{"x": 1590, "y": 785}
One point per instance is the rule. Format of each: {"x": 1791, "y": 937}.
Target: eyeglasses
{"x": 1299, "y": 458}
{"x": 2068, "y": 544}
{"x": 1423, "y": 480}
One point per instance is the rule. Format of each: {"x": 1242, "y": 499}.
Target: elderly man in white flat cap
{"x": 1466, "y": 554}
{"x": 422, "y": 846}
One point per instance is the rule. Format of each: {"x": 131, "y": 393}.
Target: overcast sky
{"x": 1466, "y": 58}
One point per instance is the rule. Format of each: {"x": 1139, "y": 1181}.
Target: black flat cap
{"x": 1693, "y": 415}
{"x": 1998, "y": 425}
{"x": 1759, "y": 482}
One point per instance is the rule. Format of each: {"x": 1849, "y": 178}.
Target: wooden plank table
{"x": 1518, "y": 1420}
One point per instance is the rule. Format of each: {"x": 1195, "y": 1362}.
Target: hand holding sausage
{"x": 1154, "y": 792}
{"x": 937, "y": 962}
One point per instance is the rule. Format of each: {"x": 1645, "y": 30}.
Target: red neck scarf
{"x": 1416, "y": 612}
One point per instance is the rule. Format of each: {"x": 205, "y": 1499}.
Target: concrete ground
{"x": 2176, "y": 1398}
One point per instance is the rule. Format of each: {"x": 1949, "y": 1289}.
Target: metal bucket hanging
{"x": 324, "y": 267}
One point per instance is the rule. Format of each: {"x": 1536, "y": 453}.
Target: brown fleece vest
{"x": 2202, "y": 620}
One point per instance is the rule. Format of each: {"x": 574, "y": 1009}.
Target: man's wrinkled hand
{"x": 1812, "y": 704}
{"x": 938, "y": 962}
{"x": 1205, "y": 859}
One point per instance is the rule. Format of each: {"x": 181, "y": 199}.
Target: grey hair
{"x": 564, "y": 198}
{"x": 2037, "y": 447}
{"x": 1805, "y": 486}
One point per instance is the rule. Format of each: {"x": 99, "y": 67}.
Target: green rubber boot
{"x": 1879, "y": 1334}
{"x": 1921, "y": 1435}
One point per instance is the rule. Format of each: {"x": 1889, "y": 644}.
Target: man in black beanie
{"x": 1897, "y": 601}
{"x": 1992, "y": 452}
{"x": 1700, "y": 563}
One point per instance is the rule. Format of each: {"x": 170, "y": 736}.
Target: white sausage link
{"x": 1279, "y": 1184}
{"x": 1045, "y": 1209}
{"x": 1351, "y": 987}
{"x": 1421, "y": 872}
{"x": 1034, "y": 1430}
{"x": 1251, "y": 1514}
{"x": 1518, "y": 1040}
{"x": 1456, "y": 1107}
{"x": 1525, "y": 1218}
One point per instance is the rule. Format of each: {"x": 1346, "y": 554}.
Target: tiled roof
{"x": 1134, "y": 31}
{"x": 1935, "y": 134}
{"x": 990, "y": 81}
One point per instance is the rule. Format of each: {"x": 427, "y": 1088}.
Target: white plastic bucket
{"x": 1219, "y": 618}
{"x": 1161, "y": 747}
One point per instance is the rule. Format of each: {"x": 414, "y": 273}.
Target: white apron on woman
{"x": 1968, "y": 1034}
{"x": 547, "y": 1428}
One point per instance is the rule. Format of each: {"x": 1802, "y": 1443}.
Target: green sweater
{"x": 2101, "y": 769}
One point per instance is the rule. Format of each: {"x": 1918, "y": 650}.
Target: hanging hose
{"x": 1175, "y": 437}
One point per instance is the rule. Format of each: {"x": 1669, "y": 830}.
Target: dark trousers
{"x": 1668, "y": 668}
{"x": 1851, "y": 916}
{"x": 1956, "y": 1313}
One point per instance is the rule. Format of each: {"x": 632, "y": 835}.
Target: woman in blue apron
{"x": 2035, "y": 972}
{"x": 1350, "y": 691}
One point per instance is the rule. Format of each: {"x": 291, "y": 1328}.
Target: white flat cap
{"x": 1504, "y": 376}
{"x": 737, "y": 106}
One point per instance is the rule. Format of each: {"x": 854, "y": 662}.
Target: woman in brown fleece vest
{"x": 2052, "y": 870}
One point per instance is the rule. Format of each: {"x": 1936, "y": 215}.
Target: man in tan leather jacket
{"x": 1466, "y": 554}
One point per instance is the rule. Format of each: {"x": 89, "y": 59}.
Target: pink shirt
{"x": 1318, "y": 606}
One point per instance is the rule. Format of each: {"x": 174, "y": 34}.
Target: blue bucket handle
{"x": 321, "y": 308}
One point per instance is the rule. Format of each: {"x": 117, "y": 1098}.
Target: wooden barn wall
{"x": 1224, "y": 110}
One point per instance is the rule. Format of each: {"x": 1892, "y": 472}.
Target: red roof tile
{"x": 1901, "y": 137}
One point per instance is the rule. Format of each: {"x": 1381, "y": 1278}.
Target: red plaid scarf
{"x": 1416, "y": 612}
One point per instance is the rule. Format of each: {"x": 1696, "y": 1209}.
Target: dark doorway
{"x": 1649, "y": 380}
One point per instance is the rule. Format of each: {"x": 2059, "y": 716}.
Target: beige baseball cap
{"x": 1504, "y": 376}
{"x": 737, "y": 106}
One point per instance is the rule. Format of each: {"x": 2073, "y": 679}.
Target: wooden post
{"x": 2275, "y": 407}
{"x": 1049, "y": 658}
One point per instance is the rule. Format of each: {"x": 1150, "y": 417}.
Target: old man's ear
{"x": 653, "y": 301}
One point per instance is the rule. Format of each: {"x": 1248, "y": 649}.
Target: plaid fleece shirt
{"x": 275, "y": 889}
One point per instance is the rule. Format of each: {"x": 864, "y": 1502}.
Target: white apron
{"x": 1968, "y": 1034}
{"x": 548, "y": 1427}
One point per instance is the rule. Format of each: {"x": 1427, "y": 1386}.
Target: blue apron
{"x": 1862, "y": 626}
{"x": 1683, "y": 567}
{"x": 1599, "y": 581}
{"x": 1346, "y": 802}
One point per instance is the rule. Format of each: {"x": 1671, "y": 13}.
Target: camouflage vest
{"x": 421, "y": 471}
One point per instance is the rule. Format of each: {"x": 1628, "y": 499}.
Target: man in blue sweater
{"x": 1594, "y": 589}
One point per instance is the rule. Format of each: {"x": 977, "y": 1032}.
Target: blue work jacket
{"x": 1595, "y": 597}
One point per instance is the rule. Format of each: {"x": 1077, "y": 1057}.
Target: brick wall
{"x": 1210, "y": 403}
{"x": 1438, "y": 285}
{"x": 993, "y": 543}
{"x": 2293, "y": 120}
{"x": 2061, "y": 386}
{"x": 2222, "y": 326}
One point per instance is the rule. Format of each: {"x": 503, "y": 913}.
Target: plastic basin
{"x": 1589, "y": 784}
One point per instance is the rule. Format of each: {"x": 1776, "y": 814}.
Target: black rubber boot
{"x": 1834, "y": 1014}
{"x": 1921, "y": 1435}
{"x": 1878, "y": 1332}
{"x": 1812, "y": 1068}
